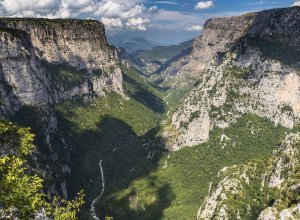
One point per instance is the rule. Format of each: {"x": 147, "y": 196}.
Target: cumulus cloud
{"x": 164, "y": 2}
{"x": 26, "y": 7}
{"x": 114, "y": 13}
{"x": 297, "y": 3}
{"x": 112, "y": 22}
{"x": 204, "y": 5}
{"x": 137, "y": 23}
{"x": 195, "y": 28}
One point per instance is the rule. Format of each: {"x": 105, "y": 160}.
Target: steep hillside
{"x": 176, "y": 185}
{"x": 246, "y": 64}
{"x": 265, "y": 189}
{"x": 44, "y": 62}
{"x": 22, "y": 195}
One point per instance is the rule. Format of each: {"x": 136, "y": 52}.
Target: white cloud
{"x": 195, "y": 28}
{"x": 137, "y": 24}
{"x": 204, "y": 5}
{"x": 112, "y": 22}
{"x": 114, "y": 13}
{"x": 164, "y": 2}
{"x": 297, "y": 3}
{"x": 125, "y": 10}
{"x": 176, "y": 20}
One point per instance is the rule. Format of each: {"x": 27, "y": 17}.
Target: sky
{"x": 161, "y": 22}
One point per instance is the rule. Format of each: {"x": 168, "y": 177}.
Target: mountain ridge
{"x": 229, "y": 62}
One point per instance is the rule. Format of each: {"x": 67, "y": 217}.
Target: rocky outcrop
{"x": 274, "y": 178}
{"x": 245, "y": 64}
{"x": 33, "y": 49}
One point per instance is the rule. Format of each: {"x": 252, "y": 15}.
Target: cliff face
{"x": 23, "y": 79}
{"x": 246, "y": 64}
{"x": 38, "y": 47}
{"x": 43, "y": 62}
{"x": 278, "y": 26}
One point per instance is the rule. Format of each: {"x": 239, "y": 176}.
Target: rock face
{"x": 31, "y": 50}
{"x": 23, "y": 79}
{"x": 73, "y": 42}
{"x": 234, "y": 197}
{"x": 245, "y": 64}
{"x": 43, "y": 62}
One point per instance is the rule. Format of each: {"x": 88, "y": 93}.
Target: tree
{"x": 21, "y": 194}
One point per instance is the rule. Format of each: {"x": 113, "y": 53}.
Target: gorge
{"x": 208, "y": 132}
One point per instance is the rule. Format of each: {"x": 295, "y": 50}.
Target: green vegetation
{"x": 140, "y": 89}
{"x": 287, "y": 108}
{"x": 283, "y": 53}
{"x": 46, "y": 21}
{"x": 176, "y": 188}
{"x": 13, "y": 32}
{"x": 194, "y": 115}
{"x": 113, "y": 129}
{"x": 171, "y": 186}
{"x": 65, "y": 76}
{"x": 107, "y": 129}
{"x": 22, "y": 194}
{"x": 237, "y": 72}
{"x": 162, "y": 52}
{"x": 83, "y": 114}
{"x": 252, "y": 197}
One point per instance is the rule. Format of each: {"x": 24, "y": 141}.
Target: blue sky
{"x": 185, "y": 15}
{"x": 162, "y": 22}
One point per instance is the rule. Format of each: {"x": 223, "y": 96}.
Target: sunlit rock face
{"x": 31, "y": 48}
{"x": 43, "y": 62}
{"x": 245, "y": 64}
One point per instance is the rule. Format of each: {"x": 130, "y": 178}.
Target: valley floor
{"x": 142, "y": 179}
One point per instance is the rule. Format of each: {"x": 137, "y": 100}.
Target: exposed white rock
{"x": 24, "y": 80}
{"x": 235, "y": 177}
{"x": 236, "y": 77}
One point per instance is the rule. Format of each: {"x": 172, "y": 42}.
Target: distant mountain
{"x": 133, "y": 44}
{"x": 157, "y": 59}
{"x": 162, "y": 53}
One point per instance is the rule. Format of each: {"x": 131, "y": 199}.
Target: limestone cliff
{"x": 271, "y": 183}
{"x": 44, "y": 61}
{"x": 245, "y": 64}
{"x": 23, "y": 79}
